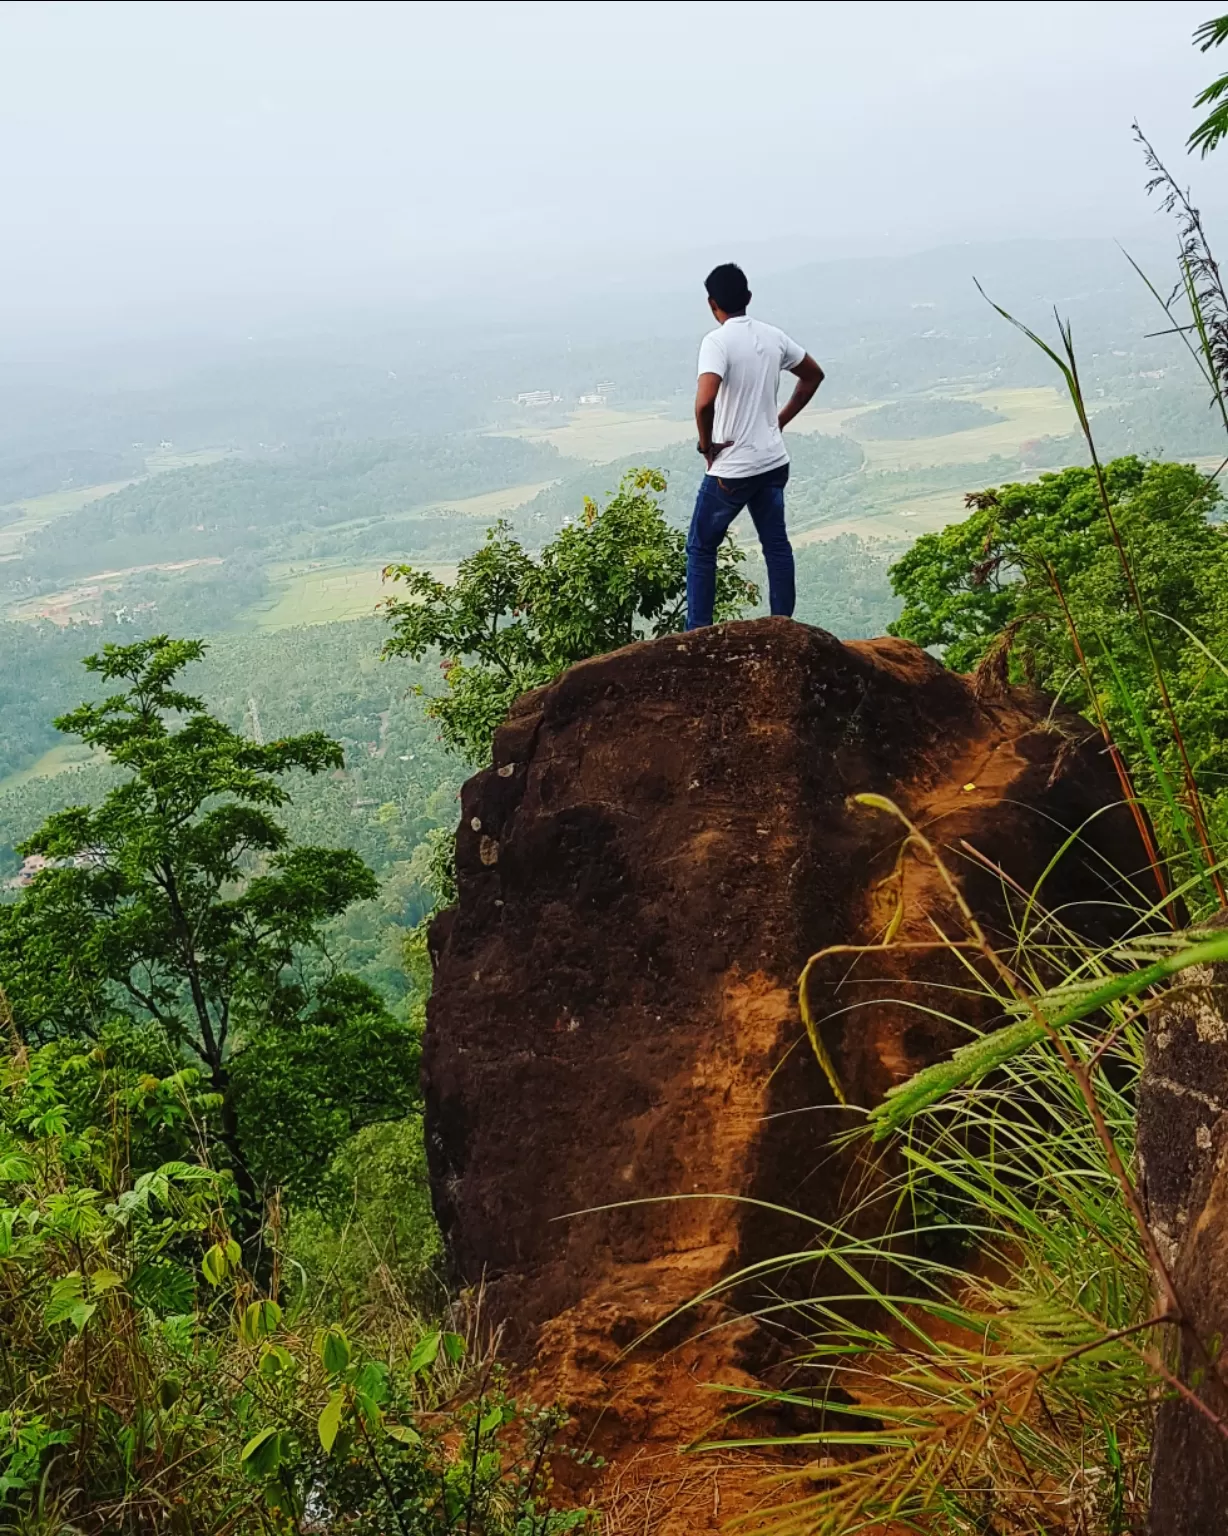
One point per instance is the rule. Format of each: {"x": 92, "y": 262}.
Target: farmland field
{"x": 61, "y": 759}
{"x": 1030, "y": 413}
{"x": 324, "y": 592}
{"x": 903, "y": 522}
{"x": 80, "y": 601}
{"x": 491, "y": 504}
{"x": 41, "y": 510}
{"x": 602, "y": 435}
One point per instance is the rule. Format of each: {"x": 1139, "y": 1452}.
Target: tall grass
{"x": 999, "y": 1379}
{"x": 991, "y": 1362}
{"x": 1067, "y": 364}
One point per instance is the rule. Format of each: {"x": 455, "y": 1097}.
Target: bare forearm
{"x": 705, "y": 415}
{"x": 804, "y": 392}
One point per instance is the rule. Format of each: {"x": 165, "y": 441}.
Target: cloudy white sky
{"x": 171, "y": 156}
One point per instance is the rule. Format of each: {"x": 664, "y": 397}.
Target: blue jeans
{"x": 718, "y": 503}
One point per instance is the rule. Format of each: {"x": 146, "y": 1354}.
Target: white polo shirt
{"x": 749, "y": 357}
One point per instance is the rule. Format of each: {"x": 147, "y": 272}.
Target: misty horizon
{"x": 186, "y": 168}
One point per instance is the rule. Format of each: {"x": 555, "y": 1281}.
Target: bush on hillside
{"x": 511, "y": 621}
{"x": 152, "y": 1384}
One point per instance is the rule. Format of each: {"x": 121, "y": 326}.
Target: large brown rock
{"x": 663, "y": 839}
{"x": 1183, "y": 1158}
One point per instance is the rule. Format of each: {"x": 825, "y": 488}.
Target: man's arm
{"x": 809, "y": 376}
{"x": 705, "y": 413}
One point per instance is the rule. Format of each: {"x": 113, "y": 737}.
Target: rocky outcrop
{"x": 620, "y": 1097}
{"x": 1183, "y": 1156}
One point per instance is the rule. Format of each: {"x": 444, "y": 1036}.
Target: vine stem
{"x": 380, "y": 1473}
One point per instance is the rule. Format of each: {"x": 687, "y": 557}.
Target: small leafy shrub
{"x": 511, "y": 622}
{"x": 379, "y": 1457}
{"x": 374, "y": 1232}
{"x": 152, "y": 1384}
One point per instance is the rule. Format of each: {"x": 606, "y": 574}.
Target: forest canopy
{"x": 253, "y": 500}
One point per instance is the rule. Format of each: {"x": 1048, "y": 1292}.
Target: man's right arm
{"x": 712, "y": 366}
{"x": 705, "y": 414}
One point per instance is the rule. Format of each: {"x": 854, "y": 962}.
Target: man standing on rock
{"x": 740, "y": 364}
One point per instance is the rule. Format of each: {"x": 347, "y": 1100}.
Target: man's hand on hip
{"x": 711, "y": 451}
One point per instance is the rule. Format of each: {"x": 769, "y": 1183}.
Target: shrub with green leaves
{"x": 964, "y": 585}
{"x": 1034, "y": 566}
{"x": 152, "y": 1384}
{"x": 511, "y": 622}
{"x": 372, "y": 1231}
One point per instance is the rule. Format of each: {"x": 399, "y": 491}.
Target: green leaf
{"x": 372, "y": 1381}
{"x": 15, "y": 1168}
{"x": 274, "y": 1360}
{"x": 329, "y": 1421}
{"x": 214, "y": 1265}
{"x": 372, "y": 1415}
{"x": 453, "y": 1346}
{"x": 81, "y": 1314}
{"x": 333, "y": 1348}
{"x": 491, "y": 1421}
{"x": 103, "y": 1280}
{"x": 259, "y": 1320}
{"x": 169, "y": 1391}
{"x": 424, "y": 1352}
{"x": 165, "y": 1288}
{"x": 66, "y": 1294}
{"x": 404, "y": 1433}
{"x": 261, "y": 1456}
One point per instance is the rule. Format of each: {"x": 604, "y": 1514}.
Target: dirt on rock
{"x": 623, "y": 1111}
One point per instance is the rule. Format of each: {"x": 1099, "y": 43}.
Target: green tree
{"x": 963, "y": 585}
{"x": 510, "y": 622}
{"x": 180, "y": 902}
{"x": 1024, "y": 549}
{"x": 1215, "y": 125}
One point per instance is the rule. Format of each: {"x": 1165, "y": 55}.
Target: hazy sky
{"x": 160, "y": 156}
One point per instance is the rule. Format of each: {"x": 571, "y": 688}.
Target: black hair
{"x": 727, "y": 287}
